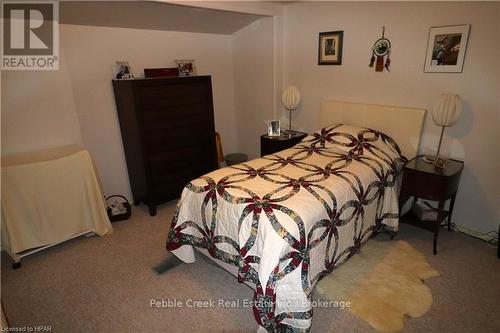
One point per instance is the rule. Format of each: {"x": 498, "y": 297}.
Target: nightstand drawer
{"x": 430, "y": 186}
{"x": 270, "y": 145}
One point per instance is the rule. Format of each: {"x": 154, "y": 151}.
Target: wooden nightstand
{"x": 273, "y": 144}
{"x": 423, "y": 180}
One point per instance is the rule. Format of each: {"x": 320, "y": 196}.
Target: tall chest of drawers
{"x": 168, "y": 134}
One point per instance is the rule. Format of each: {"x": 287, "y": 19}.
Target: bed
{"x": 282, "y": 222}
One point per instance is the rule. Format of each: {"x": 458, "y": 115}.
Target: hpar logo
{"x": 30, "y": 32}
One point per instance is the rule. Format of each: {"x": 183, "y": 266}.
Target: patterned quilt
{"x": 288, "y": 219}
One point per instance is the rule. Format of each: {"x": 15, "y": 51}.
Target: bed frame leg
{"x": 16, "y": 265}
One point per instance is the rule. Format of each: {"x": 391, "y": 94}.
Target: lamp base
{"x": 290, "y": 133}
{"x": 437, "y": 161}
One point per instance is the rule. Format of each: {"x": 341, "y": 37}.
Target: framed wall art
{"x": 330, "y": 48}
{"x": 446, "y": 49}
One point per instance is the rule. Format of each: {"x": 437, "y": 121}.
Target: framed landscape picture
{"x": 330, "y": 48}
{"x": 446, "y": 49}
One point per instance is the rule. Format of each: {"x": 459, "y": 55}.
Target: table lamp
{"x": 445, "y": 113}
{"x": 291, "y": 100}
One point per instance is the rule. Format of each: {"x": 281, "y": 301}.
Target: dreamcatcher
{"x": 381, "y": 49}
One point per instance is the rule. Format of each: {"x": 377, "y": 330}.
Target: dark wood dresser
{"x": 168, "y": 134}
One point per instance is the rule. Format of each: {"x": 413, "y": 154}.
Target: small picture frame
{"x": 273, "y": 128}
{"x": 122, "y": 71}
{"x": 440, "y": 162}
{"x": 330, "y": 48}
{"x": 186, "y": 67}
{"x": 446, "y": 49}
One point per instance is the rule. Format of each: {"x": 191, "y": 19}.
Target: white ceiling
{"x": 152, "y": 16}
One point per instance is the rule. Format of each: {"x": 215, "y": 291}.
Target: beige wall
{"x": 90, "y": 53}
{"x": 76, "y": 103}
{"x": 38, "y": 110}
{"x": 253, "y": 82}
{"x": 474, "y": 138}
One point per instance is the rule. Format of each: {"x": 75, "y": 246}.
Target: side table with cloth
{"x": 49, "y": 197}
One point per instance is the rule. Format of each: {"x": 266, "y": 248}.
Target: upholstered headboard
{"x": 403, "y": 124}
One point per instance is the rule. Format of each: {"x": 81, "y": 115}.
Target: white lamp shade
{"x": 447, "y": 110}
{"x": 291, "y": 98}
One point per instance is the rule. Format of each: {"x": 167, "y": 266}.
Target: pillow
{"x": 359, "y": 141}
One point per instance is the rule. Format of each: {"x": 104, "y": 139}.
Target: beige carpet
{"x": 384, "y": 283}
{"x": 105, "y": 284}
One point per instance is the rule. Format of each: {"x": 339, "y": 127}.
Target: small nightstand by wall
{"x": 273, "y": 144}
{"x": 423, "y": 180}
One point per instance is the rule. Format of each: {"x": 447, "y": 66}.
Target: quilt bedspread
{"x": 288, "y": 219}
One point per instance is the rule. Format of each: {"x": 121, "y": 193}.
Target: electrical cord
{"x": 490, "y": 237}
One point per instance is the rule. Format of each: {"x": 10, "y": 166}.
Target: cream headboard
{"x": 401, "y": 123}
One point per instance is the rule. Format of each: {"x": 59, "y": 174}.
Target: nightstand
{"x": 273, "y": 144}
{"x": 423, "y": 180}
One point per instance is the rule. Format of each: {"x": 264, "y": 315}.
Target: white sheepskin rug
{"x": 384, "y": 283}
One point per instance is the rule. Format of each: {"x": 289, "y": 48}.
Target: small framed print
{"x": 440, "y": 162}
{"x": 446, "y": 49}
{"x": 330, "y": 48}
{"x": 186, "y": 67}
{"x": 273, "y": 128}
{"x": 122, "y": 71}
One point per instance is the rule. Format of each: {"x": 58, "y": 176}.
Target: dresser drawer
{"x": 188, "y": 117}
{"x": 430, "y": 186}
{"x": 192, "y": 164}
{"x": 177, "y": 138}
{"x": 158, "y": 96}
{"x": 172, "y": 178}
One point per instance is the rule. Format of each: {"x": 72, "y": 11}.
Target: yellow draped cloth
{"x": 48, "y": 197}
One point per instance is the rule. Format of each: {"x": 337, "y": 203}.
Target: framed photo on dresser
{"x": 186, "y": 67}
{"x": 122, "y": 71}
